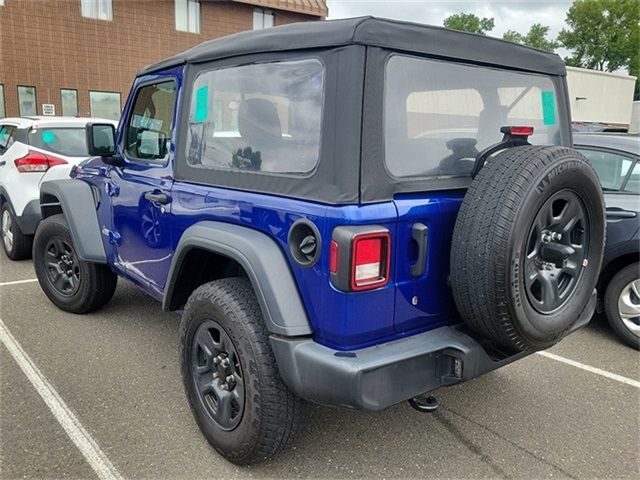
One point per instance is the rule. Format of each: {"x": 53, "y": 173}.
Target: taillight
{"x": 370, "y": 253}
{"x": 359, "y": 257}
{"x": 37, "y": 162}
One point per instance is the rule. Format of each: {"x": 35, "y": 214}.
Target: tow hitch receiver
{"x": 424, "y": 404}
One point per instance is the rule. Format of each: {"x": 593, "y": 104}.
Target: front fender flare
{"x": 265, "y": 265}
{"x": 79, "y": 208}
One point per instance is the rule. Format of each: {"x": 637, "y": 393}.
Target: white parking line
{"x": 17, "y": 282}
{"x": 69, "y": 422}
{"x": 589, "y": 368}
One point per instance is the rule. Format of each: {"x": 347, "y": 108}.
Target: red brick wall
{"x": 49, "y": 45}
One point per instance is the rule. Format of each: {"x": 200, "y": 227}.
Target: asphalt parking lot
{"x": 117, "y": 373}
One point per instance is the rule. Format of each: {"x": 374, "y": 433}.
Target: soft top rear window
{"x": 439, "y": 115}
{"x": 64, "y": 141}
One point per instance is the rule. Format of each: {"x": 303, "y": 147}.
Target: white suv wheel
{"x": 7, "y": 230}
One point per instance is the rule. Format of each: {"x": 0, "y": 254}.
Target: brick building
{"x": 81, "y": 55}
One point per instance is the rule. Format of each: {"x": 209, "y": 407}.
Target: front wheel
{"x": 230, "y": 376}
{"x": 622, "y": 304}
{"x": 70, "y": 283}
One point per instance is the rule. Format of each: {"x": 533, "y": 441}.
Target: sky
{"x": 516, "y": 15}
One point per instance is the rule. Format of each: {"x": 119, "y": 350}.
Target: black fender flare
{"x": 78, "y": 205}
{"x": 265, "y": 265}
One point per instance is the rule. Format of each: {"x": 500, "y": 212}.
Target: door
{"x": 619, "y": 175}
{"x": 141, "y": 190}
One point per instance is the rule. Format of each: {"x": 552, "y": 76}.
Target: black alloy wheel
{"x": 556, "y": 251}
{"x": 217, "y": 374}
{"x": 62, "y": 268}
{"x": 71, "y": 283}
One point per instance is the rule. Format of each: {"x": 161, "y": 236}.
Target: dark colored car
{"x": 616, "y": 159}
{"x": 314, "y": 200}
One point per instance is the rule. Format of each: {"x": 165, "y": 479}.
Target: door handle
{"x": 419, "y": 234}
{"x": 156, "y": 197}
{"x": 3, "y": 163}
{"x": 620, "y": 213}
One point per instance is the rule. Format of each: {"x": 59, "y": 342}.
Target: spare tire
{"x": 527, "y": 246}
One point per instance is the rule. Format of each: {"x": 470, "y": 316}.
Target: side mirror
{"x": 101, "y": 139}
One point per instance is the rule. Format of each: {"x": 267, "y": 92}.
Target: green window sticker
{"x": 548, "y": 107}
{"x": 48, "y": 137}
{"x": 202, "y": 103}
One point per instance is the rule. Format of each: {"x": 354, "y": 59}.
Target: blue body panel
{"x": 140, "y": 239}
{"x": 430, "y": 292}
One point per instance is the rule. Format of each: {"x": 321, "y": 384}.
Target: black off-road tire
{"x": 271, "y": 411}
{"x": 21, "y": 244}
{"x": 492, "y": 234}
{"x": 615, "y": 288}
{"x": 94, "y": 284}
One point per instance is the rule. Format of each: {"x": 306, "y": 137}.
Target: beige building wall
{"x": 600, "y": 96}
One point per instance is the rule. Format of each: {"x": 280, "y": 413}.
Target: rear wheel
{"x": 527, "y": 246}
{"x": 230, "y": 376}
{"x": 16, "y": 245}
{"x": 622, "y": 304}
{"x": 70, "y": 283}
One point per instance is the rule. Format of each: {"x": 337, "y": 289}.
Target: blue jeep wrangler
{"x": 351, "y": 212}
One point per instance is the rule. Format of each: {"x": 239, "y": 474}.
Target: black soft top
{"x": 377, "y": 32}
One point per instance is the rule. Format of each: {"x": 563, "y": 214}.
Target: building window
{"x": 99, "y": 9}
{"x": 262, "y": 19}
{"x": 105, "y": 105}
{"x": 188, "y": 16}
{"x": 27, "y": 101}
{"x": 69, "y": 101}
{"x": 2, "y": 113}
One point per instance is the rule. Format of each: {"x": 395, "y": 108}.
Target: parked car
{"x": 616, "y": 159}
{"x": 29, "y": 148}
{"x": 329, "y": 252}
{"x": 593, "y": 127}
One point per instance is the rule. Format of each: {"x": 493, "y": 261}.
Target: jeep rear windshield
{"x": 439, "y": 115}
{"x": 71, "y": 142}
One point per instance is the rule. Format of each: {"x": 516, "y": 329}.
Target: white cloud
{"x": 516, "y": 15}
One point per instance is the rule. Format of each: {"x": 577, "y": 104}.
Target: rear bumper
{"x": 380, "y": 376}
{"x": 377, "y": 377}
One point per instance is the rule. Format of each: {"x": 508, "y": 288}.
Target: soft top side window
{"x": 148, "y": 127}
{"x": 263, "y": 117}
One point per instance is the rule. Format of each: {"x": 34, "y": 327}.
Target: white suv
{"x": 30, "y": 148}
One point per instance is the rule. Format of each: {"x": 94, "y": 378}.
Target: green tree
{"x": 603, "y": 34}
{"x": 536, "y": 37}
{"x": 468, "y": 22}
